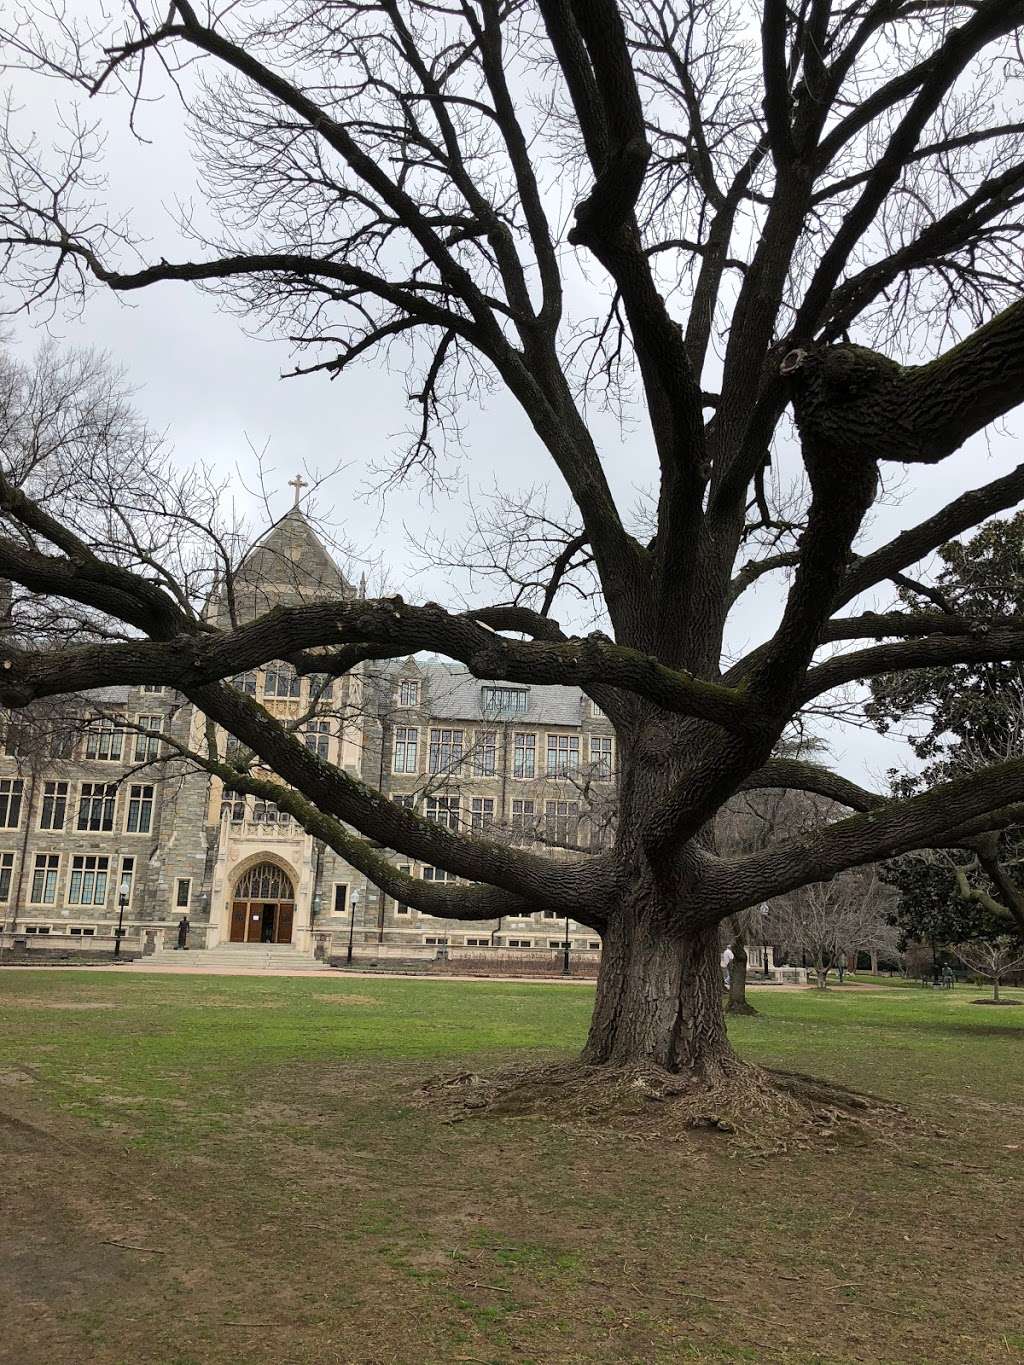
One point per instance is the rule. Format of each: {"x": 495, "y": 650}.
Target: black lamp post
{"x": 351, "y": 925}
{"x": 122, "y": 901}
{"x": 565, "y": 945}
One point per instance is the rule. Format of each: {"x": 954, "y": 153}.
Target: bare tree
{"x": 995, "y": 959}
{"x": 832, "y": 921}
{"x": 762, "y": 225}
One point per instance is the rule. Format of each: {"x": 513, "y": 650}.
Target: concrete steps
{"x": 261, "y": 957}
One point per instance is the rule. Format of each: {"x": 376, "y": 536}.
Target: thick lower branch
{"x": 191, "y": 661}
{"x": 931, "y": 819}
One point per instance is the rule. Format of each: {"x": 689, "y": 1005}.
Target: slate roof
{"x": 452, "y": 693}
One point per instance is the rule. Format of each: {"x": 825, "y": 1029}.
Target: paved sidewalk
{"x": 336, "y": 974}
{"x": 339, "y": 974}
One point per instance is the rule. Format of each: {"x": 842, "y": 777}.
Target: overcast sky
{"x": 217, "y": 394}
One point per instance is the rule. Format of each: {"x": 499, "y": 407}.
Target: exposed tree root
{"x": 764, "y": 1112}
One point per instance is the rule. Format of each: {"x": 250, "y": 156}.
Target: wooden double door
{"x": 262, "y": 921}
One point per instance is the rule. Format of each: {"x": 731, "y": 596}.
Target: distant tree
{"x": 928, "y": 906}
{"x": 832, "y": 921}
{"x": 995, "y": 959}
{"x": 937, "y": 710}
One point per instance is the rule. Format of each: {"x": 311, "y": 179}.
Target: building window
{"x": 281, "y": 681}
{"x": 407, "y": 739}
{"x": 268, "y": 813}
{"x": 596, "y": 711}
{"x": 147, "y": 747}
{"x": 127, "y": 881}
{"x": 563, "y": 755}
{"x": 154, "y": 689}
{"x": 594, "y": 944}
{"x": 41, "y": 929}
{"x": 81, "y": 931}
{"x": 485, "y": 753}
{"x": 481, "y": 813}
{"x": 524, "y": 756}
{"x": 522, "y": 819}
{"x": 560, "y": 821}
{"x": 520, "y": 943}
{"x": 340, "y": 897}
{"x": 445, "y": 750}
{"x": 478, "y": 942}
{"x": 105, "y": 742}
{"x": 405, "y": 802}
{"x": 602, "y": 828}
{"x": 438, "y": 874}
{"x": 317, "y": 738}
{"x": 96, "y": 806}
{"x": 55, "y": 805}
{"x": 11, "y": 789}
{"x": 6, "y": 872}
{"x": 44, "y": 879}
{"x": 505, "y": 700}
{"x": 435, "y": 942}
{"x": 17, "y": 739}
{"x": 556, "y": 943}
{"x": 443, "y": 810}
{"x": 550, "y": 914}
{"x": 140, "y": 810}
{"x": 184, "y": 893}
{"x": 601, "y": 755}
{"x": 232, "y": 805}
{"x": 408, "y": 693}
{"x": 245, "y": 682}
{"x": 406, "y": 871}
{"x": 321, "y": 687}
{"x": 88, "y": 883}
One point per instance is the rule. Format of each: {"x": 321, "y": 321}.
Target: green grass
{"x": 258, "y": 1139}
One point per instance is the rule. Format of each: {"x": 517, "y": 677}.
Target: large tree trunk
{"x": 659, "y": 996}
{"x": 738, "y": 1003}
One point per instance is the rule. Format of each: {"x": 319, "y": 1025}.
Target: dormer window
{"x": 508, "y": 701}
{"x": 408, "y": 692}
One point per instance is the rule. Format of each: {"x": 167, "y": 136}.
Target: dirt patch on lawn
{"x": 326, "y": 999}
{"x": 30, "y": 1002}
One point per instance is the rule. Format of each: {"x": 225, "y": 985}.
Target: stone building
{"x": 105, "y": 823}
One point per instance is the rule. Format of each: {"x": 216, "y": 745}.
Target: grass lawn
{"x": 206, "y": 1169}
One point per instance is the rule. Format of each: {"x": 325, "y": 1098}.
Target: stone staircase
{"x": 260, "y": 957}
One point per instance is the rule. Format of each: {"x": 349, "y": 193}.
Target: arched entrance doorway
{"x": 263, "y": 906}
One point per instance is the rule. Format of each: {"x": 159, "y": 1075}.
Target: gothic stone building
{"x": 107, "y": 823}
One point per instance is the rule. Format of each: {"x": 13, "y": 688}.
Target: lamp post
{"x": 351, "y": 926}
{"x": 122, "y": 900}
{"x": 565, "y": 946}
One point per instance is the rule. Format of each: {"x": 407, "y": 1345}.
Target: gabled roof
{"x": 291, "y": 556}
